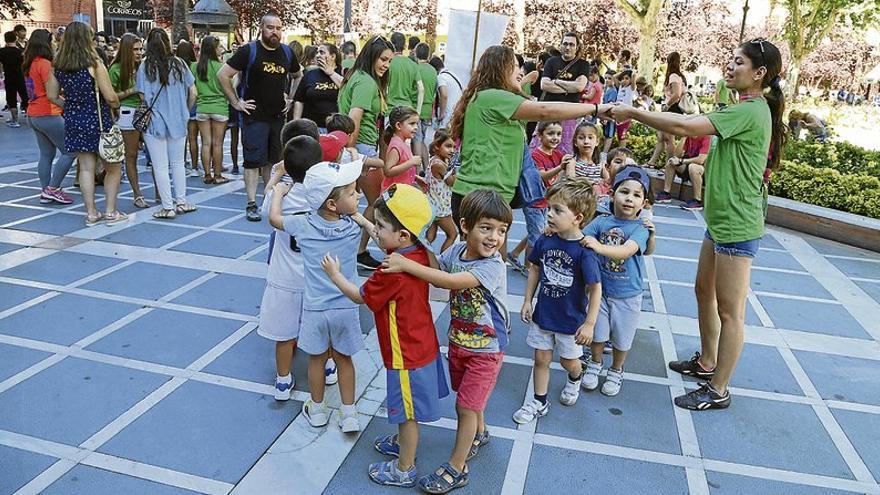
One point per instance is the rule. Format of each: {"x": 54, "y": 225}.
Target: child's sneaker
{"x": 570, "y": 393}
{"x": 590, "y": 380}
{"x": 531, "y": 410}
{"x": 388, "y": 473}
{"x": 316, "y": 414}
{"x": 348, "y": 422}
{"x": 611, "y": 387}
{"x": 608, "y": 349}
{"x": 330, "y": 375}
{"x": 283, "y": 388}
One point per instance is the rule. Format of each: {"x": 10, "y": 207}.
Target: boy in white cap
{"x": 330, "y": 322}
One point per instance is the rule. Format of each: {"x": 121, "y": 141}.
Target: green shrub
{"x": 855, "y": 193}
{"x": 841, "y": 156}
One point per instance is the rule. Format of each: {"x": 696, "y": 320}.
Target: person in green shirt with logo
{"x": 405, "y": 88}
{"x": 749, "y": 140}
{"x": 723, "y": 95}
{"x": 122, "y": 71}
{"x": 428, "y": 76}
{"x": 362, "y": 97}
{"x": 213, "y": 110}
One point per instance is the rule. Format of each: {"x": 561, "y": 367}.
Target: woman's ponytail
{"x": 776, "y": 102}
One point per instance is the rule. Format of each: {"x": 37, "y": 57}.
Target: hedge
{"x": 855, "y": 193}
{"x": 841, "y": 156}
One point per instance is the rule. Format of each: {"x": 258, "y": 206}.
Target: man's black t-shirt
{"x": 317, "y": 92}
{"x": 266, "y": 81}
{"x": 12, "y": 57}
{"x": 553, "y": 69}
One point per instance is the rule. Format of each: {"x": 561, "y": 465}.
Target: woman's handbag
{"x": 143, "y": 114}
{"x": 111, "y": 147}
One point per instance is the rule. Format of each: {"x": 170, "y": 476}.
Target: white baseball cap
{"x": 322, "y": 177}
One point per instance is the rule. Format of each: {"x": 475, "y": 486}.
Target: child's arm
{"x": 438, "y": 169}
{"x": 276, "y": 176}
{"x": 628, "y": 249}
{"x": 366, "y": 225}
{"x": 393, "y": 169}
{"x": 432, "y": 261}
{"x": 276, "y": 219}
{"x": 531, "y": 284}
{"x": 569, "y": 162}
{"x": 396, "y": 263}
{"x": 649, "y": 249}
{"x": 550, "y": 173}
{"x": 584, "y": 334}
{"x": 606, "y": 175}
{"x": 330, "y": 264}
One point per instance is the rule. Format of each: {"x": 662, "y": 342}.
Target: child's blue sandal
{"x": 445, "y": 479}
{"x": 479, "y": 441}
{"x": 387, "y": 473}
{"x": 388, "y": 445}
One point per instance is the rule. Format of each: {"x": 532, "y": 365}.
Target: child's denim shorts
{"x": 746, "y": 249}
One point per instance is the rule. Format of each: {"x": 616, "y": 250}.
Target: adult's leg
{"x": 86, "y": 163}
{"x": 731, "y": 289}
{"x": 159, "y": 154}
{"x": 176, "y": 148}
{"x": 707, "y": 305}
{"x": 668, "y": 176}
{"x": 233, "y": 145}
{"x": 47, "y": 151}
{"x": 696, "y": 174}
{"x": 218, "y": 133}
{"x": 370, "y": 184}
{"x": 53, "y": 128}
{"x": 205, "y": 134}
{"x": 192, "y": 134}
{"x": 131, "y": 140}
{"x": 112, "y": 178}
{"x": 658, "y": 148}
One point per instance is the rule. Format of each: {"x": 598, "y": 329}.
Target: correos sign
{"x": 124, "y": 8}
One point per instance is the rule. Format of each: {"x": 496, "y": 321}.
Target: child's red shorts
{"x": 473, "y": 376}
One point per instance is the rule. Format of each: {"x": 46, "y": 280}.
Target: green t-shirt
{"x": 735, "y": 196}
{"x": 428, "y": 75}
{"x": 132, "y": 101}
{"x": 347, "y": 63}
{"x": 492, "y": 144}
{"x": 723, "y": 92}
{"x": 361, "y": 91}
{"x": 402, "y": 76}
{"x": 211, "y": 98}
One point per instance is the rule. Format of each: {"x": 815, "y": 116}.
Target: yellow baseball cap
{"x": 411, "y": 208}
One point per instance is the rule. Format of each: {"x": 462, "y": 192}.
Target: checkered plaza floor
{"x": 129, "y": 363}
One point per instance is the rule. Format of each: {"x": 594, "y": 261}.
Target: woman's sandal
{"x": 165, "y": 214}
{"x": 479, "y": 442}
{"x": 140, "y": 202}
{"x": 185, "y": 208}
{"x": 91, "y": 221}
{"x": 219, "y": 179}
{"x": 209, "y": 179}
{"x": 115, "y": 217}
{"x": 443, "y": 480}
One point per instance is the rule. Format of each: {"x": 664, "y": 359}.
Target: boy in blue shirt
{"x": 569, "y": 273}
{"x": 609, "y": 127}
{"x": 620, "y": 240}
{"x": 330, "y": 322}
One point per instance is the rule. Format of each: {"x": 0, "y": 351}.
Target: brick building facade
{"x": 49, "y": 14}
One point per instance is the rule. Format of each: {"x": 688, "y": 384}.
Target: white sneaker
{"x": 282, "y": 390}
{"x": 531, "y": 410}
{"x": 349, "y": 423}
{"x": 613, "y": 380}
{"x": 590, "y": 381}
{"x": 570, "y": 393}
{"x": 330, "y": 374}
{"x": 317, "y": 415}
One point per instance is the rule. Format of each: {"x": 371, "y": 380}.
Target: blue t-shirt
{"x": 479, "y": 320}
{"x": 620, "y": 278}
{"x": 315, "y": 238}
{"x": 566, "y": 269}
{"x": 610, "y": 95}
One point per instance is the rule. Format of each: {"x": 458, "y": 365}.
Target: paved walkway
{"x": 129, "y": 364}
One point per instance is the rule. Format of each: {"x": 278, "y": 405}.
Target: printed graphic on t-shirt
{"x": 270, "y": 67}
{"x": 466, "y": 311}
{"x": 558, "y": 273}
{"x": 613, "y": 237}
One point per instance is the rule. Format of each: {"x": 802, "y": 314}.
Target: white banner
{"x": 460, "y": 45}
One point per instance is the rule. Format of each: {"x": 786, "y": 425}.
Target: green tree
{"x": 11, "y": 9}
{"x": 811, "y": 21}
{"x": 645, "y": 13}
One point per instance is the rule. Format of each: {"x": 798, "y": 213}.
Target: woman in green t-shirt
{"x": 213, "y": 112}
{"x": 749, "y": 140}
{"x": 362, "y": 97}
{"x": 489, "y": 119}
{"x": 121, "y": 71}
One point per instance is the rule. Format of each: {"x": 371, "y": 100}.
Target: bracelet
{"x": 596, "y": 111}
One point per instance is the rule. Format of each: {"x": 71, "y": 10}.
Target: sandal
{"x": 388, "y": 445}
{"x": 219, "y": 179}
{"x": 479, "y": 441}
{"x": 91, "y": 221}
{"x": 115, "y": 217}
{"x": 209, "y": 179}
{"x": 388, "y": 473}
{"x": 140, "y": 202}
{"x": 185, "y": 208}
{"x": 165, "y": 214}
{"x": 445, "y": 479}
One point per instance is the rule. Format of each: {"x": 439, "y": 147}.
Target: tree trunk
{"x": 431, "y": 27}
{"x": 792, "y": 76}
{"x": 647, "y": 51}
{"x": 179, "y": 14}
{"x": 519, "y": 24}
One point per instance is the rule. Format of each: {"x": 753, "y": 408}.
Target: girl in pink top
{"x": 400, "y": 164}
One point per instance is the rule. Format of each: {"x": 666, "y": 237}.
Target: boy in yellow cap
{"x": 405, "y": 326}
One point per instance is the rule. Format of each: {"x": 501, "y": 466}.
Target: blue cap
{"x": 632, "y": 172}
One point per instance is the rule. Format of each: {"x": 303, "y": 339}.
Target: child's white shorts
{"x": 280, "y": 313}
{"x": 543, "y": 340}
{"x": 618, "y": 319}
{"x": 336, "y": 328}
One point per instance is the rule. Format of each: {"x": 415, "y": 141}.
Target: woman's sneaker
{"x": 692, "y": 367}
{"x": 316, "y": 414}
{"x": 613, "y": 380}
{"x": 50, "y": 194}
{"x": 530, "y": 411}
{"x": 590, "y": 380}
{"x": 703, "y": 398}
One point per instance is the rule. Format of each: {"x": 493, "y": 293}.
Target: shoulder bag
{"x": 143, "y": 114}
{"x": 111, "y": 148}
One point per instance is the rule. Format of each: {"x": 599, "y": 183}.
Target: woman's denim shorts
{"x": 747, "y": 249}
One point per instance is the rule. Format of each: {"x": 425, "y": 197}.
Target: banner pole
{"x": 476, "y": 36}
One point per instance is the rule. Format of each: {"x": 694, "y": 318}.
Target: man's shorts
{"x": 415, "y": 394}
{"x": 336, "y": 328}
{"x": 473, "y": 376}
{"x": 618, "y": 319}
{"x": 545, "y": 340}
{"x": 261, "y": 143}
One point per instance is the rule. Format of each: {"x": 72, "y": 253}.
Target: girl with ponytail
{"x": 400, "y": 164}
{"x": 749, "y": 138}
